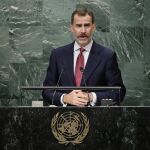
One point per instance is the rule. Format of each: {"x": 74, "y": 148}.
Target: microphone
{"x": 62, "y": 70}
{"x": 82, "y": 71}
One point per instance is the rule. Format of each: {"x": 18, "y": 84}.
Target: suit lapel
{"x": 92, "y": 62}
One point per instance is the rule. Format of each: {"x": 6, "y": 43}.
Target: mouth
{"x": 83, "y": 37}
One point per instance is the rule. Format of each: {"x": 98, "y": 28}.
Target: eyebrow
{"x": 86, "y": 24}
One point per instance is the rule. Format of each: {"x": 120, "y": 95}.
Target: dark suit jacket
{"x": 101, "y": 70}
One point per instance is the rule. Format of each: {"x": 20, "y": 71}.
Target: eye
{"x": 87, "y": 25}
{"x": 78, "y": 25}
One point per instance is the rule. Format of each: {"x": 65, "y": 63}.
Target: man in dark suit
{"x": 83, "y": 62}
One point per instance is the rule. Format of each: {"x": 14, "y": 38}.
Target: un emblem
{"x": 70, "y": 127}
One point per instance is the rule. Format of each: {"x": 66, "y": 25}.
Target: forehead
{"x": 82, "y": 19}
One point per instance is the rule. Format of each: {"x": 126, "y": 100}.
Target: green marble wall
{"x": 30, "y": 29}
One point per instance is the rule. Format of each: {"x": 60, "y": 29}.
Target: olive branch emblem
{"x": 70, "y": 127}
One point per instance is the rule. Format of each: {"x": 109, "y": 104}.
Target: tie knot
{"x": 82, "y": 50}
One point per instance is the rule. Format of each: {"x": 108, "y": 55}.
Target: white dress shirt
{"x": 86, "y": 53}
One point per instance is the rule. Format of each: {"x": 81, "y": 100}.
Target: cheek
{"x": 76, "y": 32}
{"x": 90, "y": 31}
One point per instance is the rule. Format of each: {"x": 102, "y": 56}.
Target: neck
{"x": 83, "y": 45}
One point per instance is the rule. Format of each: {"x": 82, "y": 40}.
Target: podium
{"x": 72, "y": 128}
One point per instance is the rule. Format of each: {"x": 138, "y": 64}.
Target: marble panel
{"x": 4, "y": 46}
{"x": 127, "y": 42}
{"x": 25, "y": 13}
{"x": 127, "y": 13}
{"x": 146, "y": 46}
{"x": 146, "y": 13}
{"x": 27, "y": 41}
{"x": 4, "y": 63}
{"x": 4, "y": 12}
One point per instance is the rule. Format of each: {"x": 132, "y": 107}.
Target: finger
{"x": 82, "y": 101}
{"x": 87, "y": 97}
{"x": 77, "y": 91}
{"x": 83, "y": 96}
{"x": 80, "y": 104}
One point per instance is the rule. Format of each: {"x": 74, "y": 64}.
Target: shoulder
{"x": 102, "y": 50}
{"x": 62, "y": 49}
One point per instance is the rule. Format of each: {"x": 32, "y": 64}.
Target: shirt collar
{"x": 87, "y": 47}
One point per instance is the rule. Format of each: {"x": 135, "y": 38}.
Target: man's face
{"x": 82, "y": 29}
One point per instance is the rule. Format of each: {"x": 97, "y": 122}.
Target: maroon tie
{"x": 79, "y": 66}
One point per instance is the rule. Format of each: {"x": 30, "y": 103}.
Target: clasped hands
{"x": 78, "y": 98}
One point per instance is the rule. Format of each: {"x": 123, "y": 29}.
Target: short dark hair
{"x": 82, "y": 12}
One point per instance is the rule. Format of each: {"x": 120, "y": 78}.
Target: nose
{"x": 83, "y": 29}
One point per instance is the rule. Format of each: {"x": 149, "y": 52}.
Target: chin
{"x": 83, "y": 42}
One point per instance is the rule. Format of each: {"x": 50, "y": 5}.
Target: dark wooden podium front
{"x": 72, "y": 128}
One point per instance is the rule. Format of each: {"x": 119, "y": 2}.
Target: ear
{"x": 71, "y": 28}
{"x": 94, "y": 26}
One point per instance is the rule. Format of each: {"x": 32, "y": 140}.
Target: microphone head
{"x": 82, "y": 69}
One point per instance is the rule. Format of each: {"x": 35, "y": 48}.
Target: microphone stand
{"x": 57, "y": 85}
